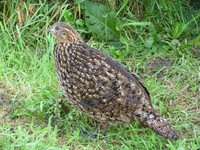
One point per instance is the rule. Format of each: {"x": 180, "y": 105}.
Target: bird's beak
{"x": 51, "y": 29}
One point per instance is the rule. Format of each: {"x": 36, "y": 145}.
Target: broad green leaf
{"x": 68, "y": 17}
{"x": 149, "y": 42}
{"x": 136, "y": 24}
{"x": 179, "y": 28}
{"x": 101, "y": 21}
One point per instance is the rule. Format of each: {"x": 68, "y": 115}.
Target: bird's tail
{"x": 158, "y": 124}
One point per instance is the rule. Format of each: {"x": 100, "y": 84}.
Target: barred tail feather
{"x": 157, "y": 123}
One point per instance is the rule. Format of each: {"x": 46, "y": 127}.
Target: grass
{"x": 165, "y": 56}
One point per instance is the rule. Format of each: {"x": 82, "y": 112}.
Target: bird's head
{"x": 64, "y": 33}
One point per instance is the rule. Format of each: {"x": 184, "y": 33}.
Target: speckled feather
{"x": 101, "y": 87}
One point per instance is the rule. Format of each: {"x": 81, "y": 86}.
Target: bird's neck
{"x": 71, "y": 43}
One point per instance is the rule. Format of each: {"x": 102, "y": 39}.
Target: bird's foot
{"x": 99, "y": 128}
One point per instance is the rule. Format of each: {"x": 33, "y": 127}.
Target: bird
{"x": 98, "y": 85}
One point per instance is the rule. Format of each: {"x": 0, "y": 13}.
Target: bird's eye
{"x": 57, "y": 27}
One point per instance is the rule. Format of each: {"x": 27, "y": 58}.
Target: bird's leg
{"x": 101, "y": 126}
{"x": 96, "y": 131}
{"x": 97, "y": 127}
{"x": 104, "y": 129}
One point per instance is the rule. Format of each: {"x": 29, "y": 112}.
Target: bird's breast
{"x": 81, "y": 71}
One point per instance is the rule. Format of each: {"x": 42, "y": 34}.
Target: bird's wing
{"x": 118, "y": 83}
{"x": 145, "y": 89}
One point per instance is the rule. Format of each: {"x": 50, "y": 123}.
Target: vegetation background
{"x": 159, "y": 40}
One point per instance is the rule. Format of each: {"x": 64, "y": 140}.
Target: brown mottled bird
{"x": 100, "y": 86}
